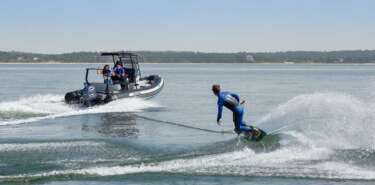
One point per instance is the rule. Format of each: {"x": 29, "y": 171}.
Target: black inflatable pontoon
{"x": 95, "y": 93}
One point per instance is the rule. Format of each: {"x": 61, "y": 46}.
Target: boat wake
{"x": 40, "y": 107}
{"x": 325, "y": 119}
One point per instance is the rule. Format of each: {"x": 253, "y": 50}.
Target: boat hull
{"x": 99, "y": 93}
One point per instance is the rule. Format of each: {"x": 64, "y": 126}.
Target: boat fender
{"x": 72, "y": 97}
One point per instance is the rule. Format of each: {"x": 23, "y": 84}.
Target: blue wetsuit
{"x": 232, "y": 102}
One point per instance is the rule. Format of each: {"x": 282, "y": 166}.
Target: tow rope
{"x": 184, "y": 125}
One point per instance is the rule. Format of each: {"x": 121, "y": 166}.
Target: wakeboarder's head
{"x": 216, "y": 89}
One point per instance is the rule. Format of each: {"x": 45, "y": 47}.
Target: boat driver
{"x": 120, "y": 76}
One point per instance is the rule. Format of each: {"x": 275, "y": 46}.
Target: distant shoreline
{"x": 288, "y": 57}
{"x": 265, "y": 63}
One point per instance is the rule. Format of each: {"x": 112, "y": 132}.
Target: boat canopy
{"x": 118, "y": 53}
{"x": 129, "y": 60}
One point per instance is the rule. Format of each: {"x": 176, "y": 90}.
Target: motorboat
{"x": 96, "y": 93}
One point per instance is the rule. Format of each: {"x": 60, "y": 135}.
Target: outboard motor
{"x": 89, "y": 95}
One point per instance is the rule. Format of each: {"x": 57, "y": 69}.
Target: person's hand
{"x": 218, "y": 122}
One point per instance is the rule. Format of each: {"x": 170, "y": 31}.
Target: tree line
{"x": 350, "y": 56}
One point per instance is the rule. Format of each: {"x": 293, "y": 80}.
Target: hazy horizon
{"x": 47, "y": 27}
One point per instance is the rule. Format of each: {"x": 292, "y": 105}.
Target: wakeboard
{"x": 256, "y": 134}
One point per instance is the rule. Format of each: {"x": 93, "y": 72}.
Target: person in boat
{"x": 107, "y": 74}
{"x": 232, "y": 102}
{"x": 120, "y": 75}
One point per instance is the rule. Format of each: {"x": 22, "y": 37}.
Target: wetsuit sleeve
{"x": 219, "y": 109}
{"x": 236, "y": 96}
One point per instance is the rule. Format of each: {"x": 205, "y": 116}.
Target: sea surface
{"x": 321, "y": 118}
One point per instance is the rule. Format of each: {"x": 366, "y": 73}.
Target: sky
{"x": 52, "y": 26}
